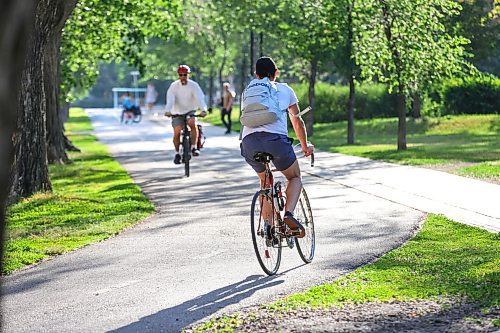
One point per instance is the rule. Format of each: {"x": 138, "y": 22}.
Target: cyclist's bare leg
{"x": 267, "y": 209}
{"x": 294, "y": 186}
{"x": 177, "y": 138}
{"x": 194, "y": 131}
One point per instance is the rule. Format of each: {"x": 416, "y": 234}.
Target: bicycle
{"x": 268, "y": 236}
{"x": 186, "y": 138}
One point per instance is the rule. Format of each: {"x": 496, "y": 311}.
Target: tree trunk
{"x": 312, "y": 96}
{"x": 30, "y": 171}
{"x": 56, "y": 139}
{"x": 350, "y": 111}
{"x": 401, "y": 100}
{"x": 16, "y": 22}
{"x": 243, "y": 69}
{"x": 416, "y": 104}
{"x": 352, "y": 88}
{"x": 398, "y": 69}
{"x": 221, "y": 67}
{"x": 261, "y": 44}
{"x": 211, "y": 89}
{"x": 252, "y": 53}
{"x": 56, "y": 153}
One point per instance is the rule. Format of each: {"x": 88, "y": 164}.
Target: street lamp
{"x": 135, "y": 74}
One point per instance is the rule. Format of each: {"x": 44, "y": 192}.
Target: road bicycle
{"x": 186, "y": 138}
{"x": 270, "y": 236}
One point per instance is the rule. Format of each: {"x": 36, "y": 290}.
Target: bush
{"x": 465, "y": 96}
{"x": 372, "y": 101}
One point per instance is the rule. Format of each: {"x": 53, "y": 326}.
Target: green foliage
{"x": 93, "y": 199}
{"x": 405, "y": 43}
{"x": 111, "y": 30}
{"x": 480, "y": 95}
{"x": 445, "y": 259}
{"x": 372, "y": 101}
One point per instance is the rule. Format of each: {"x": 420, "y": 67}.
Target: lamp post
{"x": 135, "y": 74}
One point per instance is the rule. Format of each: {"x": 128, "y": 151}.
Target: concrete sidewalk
{"x": 462, "y": 199}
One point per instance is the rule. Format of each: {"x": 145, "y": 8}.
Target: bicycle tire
{"x": 269, "y": 257}
{"x": 186, "y": 154}
{"x": 303, "y": 213}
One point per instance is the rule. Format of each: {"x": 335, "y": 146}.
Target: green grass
{"x": 445, "y": 259}
{"x": 215, "y": 119}
{"x": 93, "y": 199}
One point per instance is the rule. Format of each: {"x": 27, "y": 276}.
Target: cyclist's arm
{"x": 299, "y": 127}
{"x": 170, "y": 100}
{"x": 200, "y": 97}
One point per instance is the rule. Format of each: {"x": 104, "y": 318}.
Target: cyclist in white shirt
{"x": 184, "y": 96}
{"x": 273, "y": 139}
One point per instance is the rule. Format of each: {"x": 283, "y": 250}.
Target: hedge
{"x": 479, "y": 95}
{"x": 455, "y": 96}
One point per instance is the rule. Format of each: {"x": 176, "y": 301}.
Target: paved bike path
{"x": 194, "y": 258}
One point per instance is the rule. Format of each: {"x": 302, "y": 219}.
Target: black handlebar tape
{"x": 312, "y": 159}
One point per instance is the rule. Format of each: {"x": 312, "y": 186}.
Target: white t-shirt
{"x": 184, "y": 98}
{"x": 151, "y": 94}
{"x": 286, "y": 98}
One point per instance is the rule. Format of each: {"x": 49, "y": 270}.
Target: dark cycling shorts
{"x": 179, "y": 121}
{"x": 278, "y": 145}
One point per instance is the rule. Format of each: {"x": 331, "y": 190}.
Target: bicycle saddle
{"x": 263, "y": 157}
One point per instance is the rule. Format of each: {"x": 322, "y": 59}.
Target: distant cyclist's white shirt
{"x": 286, "y": 98}
{"x": 184, "y": 98}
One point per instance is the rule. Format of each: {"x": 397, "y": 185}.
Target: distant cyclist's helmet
{"x": 183, "y": 69}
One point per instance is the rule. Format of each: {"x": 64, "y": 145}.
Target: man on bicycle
{"x": 273, "y": 139}
{"x": 183, "y": 97}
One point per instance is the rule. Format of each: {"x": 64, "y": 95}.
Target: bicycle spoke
{"x": 266, "y": 245}
{"x": 303, "y": 214}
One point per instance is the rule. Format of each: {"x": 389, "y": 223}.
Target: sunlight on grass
{"x": 93, "y": 199}
{"x": 444, "y": 259}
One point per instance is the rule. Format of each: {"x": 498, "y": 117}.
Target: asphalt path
{"x": 194, "y": 258}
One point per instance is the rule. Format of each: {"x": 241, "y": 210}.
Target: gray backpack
{"x": 259, "y": 103}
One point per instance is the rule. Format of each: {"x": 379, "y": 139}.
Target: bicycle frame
{"x": 268, "y": 193}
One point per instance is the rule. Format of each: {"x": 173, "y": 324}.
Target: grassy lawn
{"x": 467, "y": 139}
{"x": 445, "y": 259}
{"x": 468, "y": 144}
{"x": 93, "y": 199}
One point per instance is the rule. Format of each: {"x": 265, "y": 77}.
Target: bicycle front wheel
{"x": 186, "y": 154}
{"x": 303, "y": 214}
{"x": 265, "y": 241}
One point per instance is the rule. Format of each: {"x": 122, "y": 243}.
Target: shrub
{"x": 372, "y": 101}
{"x": 479, "y": 95}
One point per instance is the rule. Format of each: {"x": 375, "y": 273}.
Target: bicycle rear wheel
{"x": 265, "y": 242}
{"x": 303, "y": 214}
{"x": 186, "y": 154}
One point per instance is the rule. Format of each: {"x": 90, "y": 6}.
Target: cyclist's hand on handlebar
{"x": 308, "y": 150}
{"x": 203, "y": 114}
{"x": 168, "y": 114}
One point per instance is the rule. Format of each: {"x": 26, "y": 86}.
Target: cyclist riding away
{"x": 184, "y": 96}
{"x": 273, "y": 139}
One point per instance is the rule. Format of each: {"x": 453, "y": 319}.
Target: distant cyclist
{"x": 183, "y": 97}
{"x": 273, "y": 139}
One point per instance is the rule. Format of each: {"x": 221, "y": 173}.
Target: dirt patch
{"x": 396, "y": 316}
